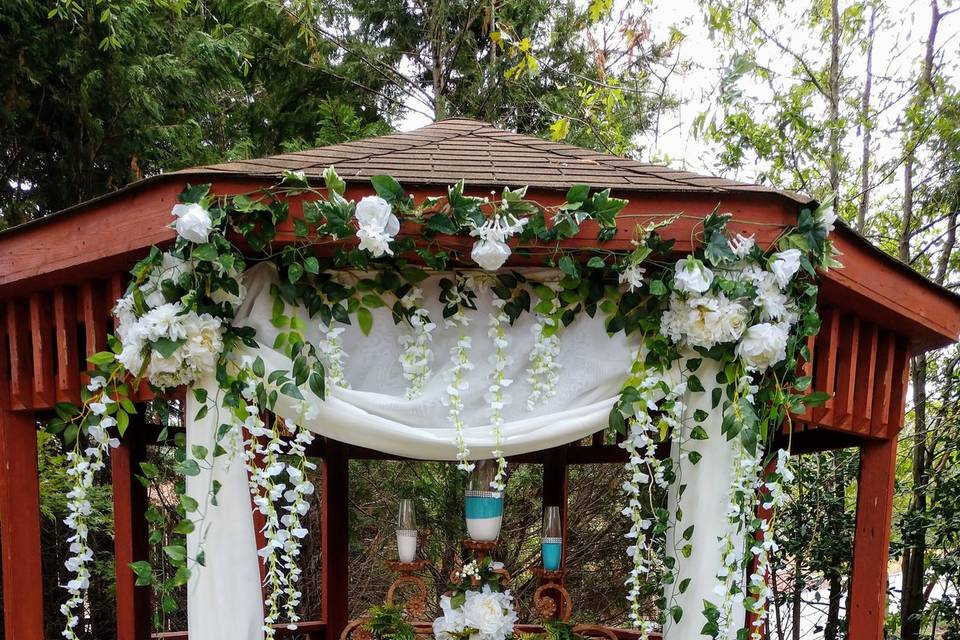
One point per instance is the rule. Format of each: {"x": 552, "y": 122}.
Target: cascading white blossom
{"x": 743, "y": 499}
{"x": 417, "y": 354}
{"x": 773, "y": 497}
{"x": 544, "y": 368}
{"x": 82, "y": 467}
{"x": 331, "y": 349}
{"x": 499, "y": 382}
{"x": 279, "y": 488}
{"x": 457, "y": 384}
{"x": 376, "y": 225}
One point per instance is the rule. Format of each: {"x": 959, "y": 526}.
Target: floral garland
{"x": 731, "y": 301}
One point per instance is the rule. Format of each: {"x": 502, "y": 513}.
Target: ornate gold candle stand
{"x": 551, "y": 601}
{"x": 415, "y": 605}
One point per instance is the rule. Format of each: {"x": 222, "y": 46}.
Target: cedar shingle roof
{"x": 483, "y": 155}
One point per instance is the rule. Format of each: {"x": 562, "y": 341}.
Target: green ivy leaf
{"x": 365, "y": 320}
{"x": 387, "y": 188}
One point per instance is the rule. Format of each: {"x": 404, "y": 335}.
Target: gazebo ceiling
{"x": 103, "y": 236}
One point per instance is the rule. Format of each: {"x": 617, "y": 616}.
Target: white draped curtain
{"x": 224, "y": 597}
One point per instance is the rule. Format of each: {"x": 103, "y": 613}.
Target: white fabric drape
{"x": 223, "y": 596}
{"x": 225, "y": 600}
{"x": 704, "y": 505}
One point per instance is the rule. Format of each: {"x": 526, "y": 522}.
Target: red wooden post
{"x": 871, "y": 544}
{"x": 555, "y": 488}
{"x": 20, "y": 527}
{"x": 335, "y": 538}
{"x": 131, "y": 534}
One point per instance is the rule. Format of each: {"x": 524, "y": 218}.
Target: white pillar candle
{"x": 406, "y": 545}
{"x": 484, "y": 529}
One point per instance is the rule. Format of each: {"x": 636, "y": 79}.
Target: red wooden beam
{"x": 131, "y": 534}
{"x": 68, "y": 360}
{"x": 20, "y": 527}
{"x": 866, "y": 373}
{"x": 21, "y": 354}
{"x": 825, "y": 366}
{"x": 883, "y": 384}
{"x": 4, "y": 360}
{"x": 43, "y": 348}
{"x": 555, "y": 489}
{"x": 335, "y": 538}
{"x": 871, "y": 543}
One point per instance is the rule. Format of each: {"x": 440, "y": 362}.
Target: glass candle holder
{"x": 483, "y": 507}
{"x": 551, "y": 540}
{"x": 406, "y": 532}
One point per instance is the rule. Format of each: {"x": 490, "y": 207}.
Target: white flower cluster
{"x": 643, "y": 467}
{"x": 417, "y": 354}
{"x": 495, "y": 396}
{"x": 542, "y": 374}
{"x": 196, "y": 341}
{"x": 280, "y": 488}
{"x": 82, "y": 467}
{"x": 376, "y": 225}
{"x": 632, "y": 276}
{"x": 491, "y": 250}
{"x": 457, "y": 384}
{"x": 331, "y": 348}
{"x": 487, "y": 611}
{"x": 700, "y": 316}
{"x": 193, "y": 222}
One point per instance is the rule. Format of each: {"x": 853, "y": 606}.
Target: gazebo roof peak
{"x": 443, "y": 152}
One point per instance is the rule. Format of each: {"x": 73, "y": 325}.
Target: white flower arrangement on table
{"x": 477, "y": 609}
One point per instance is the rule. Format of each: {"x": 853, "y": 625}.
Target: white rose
{"x": 490, "y": 254}
{"x": 193, "y": 222}
{"x": 450, "y": 622}
{"x": 763, "y": 345}
{"x": 377, "y": 225}
{"x": 785, "y": 265}
{"x": 632, "y": 276}
{"x": 490, "y": 612}
{"x": 691, "y": 276}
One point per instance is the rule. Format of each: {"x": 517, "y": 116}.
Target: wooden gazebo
{"x": 60, "y": 275}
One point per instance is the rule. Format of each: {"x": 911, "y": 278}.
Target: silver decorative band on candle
{"x": 483, "y": 494}
{"x": 411, "y": 533}
{"x": 551, "y": 540}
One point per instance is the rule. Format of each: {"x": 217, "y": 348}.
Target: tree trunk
{"x": 912, "y": 602}
{"x": 835, "y": 97}
{"x": 867, "y": 130}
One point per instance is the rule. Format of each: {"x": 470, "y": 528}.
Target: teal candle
{"x": 552, "y": 550}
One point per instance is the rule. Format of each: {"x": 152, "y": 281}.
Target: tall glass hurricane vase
{"x": 406, "y": 532}
{"x": 551, "y": 540}
{"x": 483, "y": 506}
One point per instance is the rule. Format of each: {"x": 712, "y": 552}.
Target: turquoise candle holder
{"x": 552, "y": 551}
{"x": 484, "y": 515}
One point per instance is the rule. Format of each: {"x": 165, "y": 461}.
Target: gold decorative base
{"x": 415, "y": 605}
{"x": 551, "y": 601}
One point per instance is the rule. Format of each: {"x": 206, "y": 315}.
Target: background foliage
{"x": 97, "y": 94}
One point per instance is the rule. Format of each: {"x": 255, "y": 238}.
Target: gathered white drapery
{"x": 224, "y": 597}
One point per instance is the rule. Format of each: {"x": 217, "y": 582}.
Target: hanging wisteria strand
{"x": 457, "y": 385}
{"x": 773, "y": 495}
{"x": 495, "y": 396}
{"x": 331, "y": 348}
{"x": 542, "y": 374}
{"x": 743, "y": 499}
{"x": 82, "y": 467}
{"x": 282, "y": 532}
{"x": 644, "y": 470}
{"x": 417, "y": 354}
